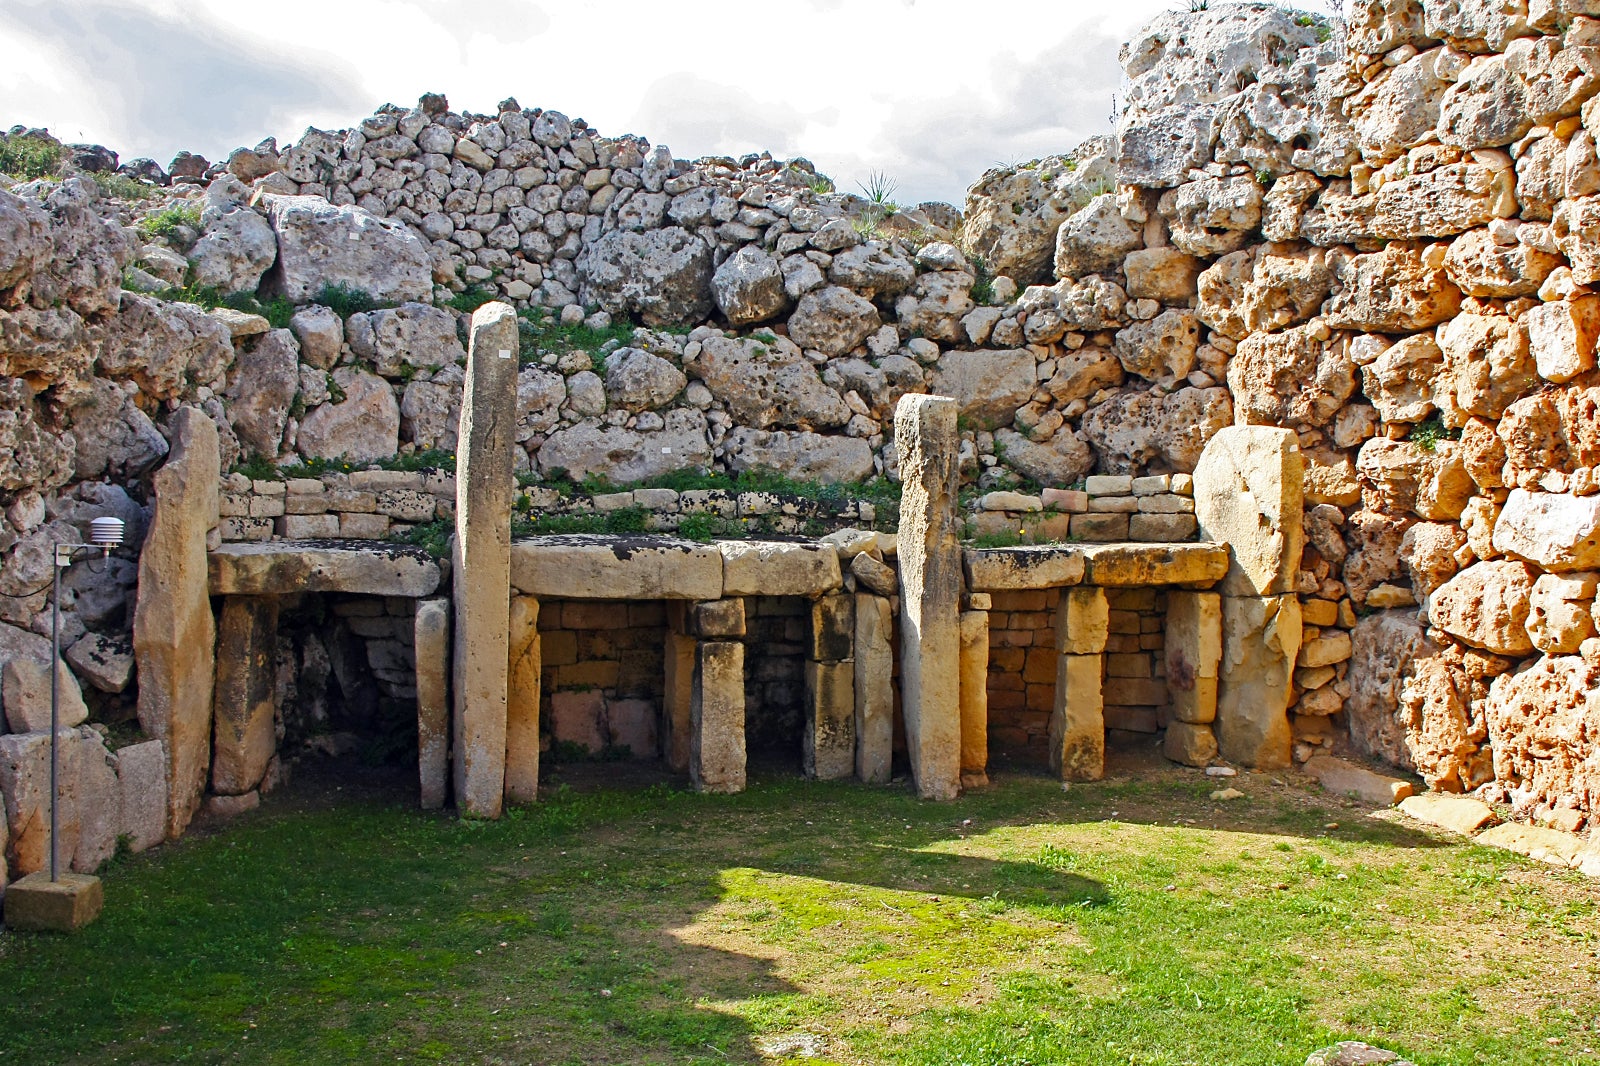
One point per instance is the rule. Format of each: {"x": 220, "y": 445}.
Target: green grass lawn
{"x": 1134, "y": 922}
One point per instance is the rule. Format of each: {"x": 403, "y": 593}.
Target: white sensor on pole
{"x": 105, "y": 532}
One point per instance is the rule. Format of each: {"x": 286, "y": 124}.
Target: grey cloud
{"x": 700, "y": 117}
{"x": 936, "y": 147}
{"x": 508, "y": 21}
{"x": 181, "y": 83}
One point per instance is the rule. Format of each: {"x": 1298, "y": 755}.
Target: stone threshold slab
{"x": 277, "y": 568}
{"x": 1116, "y": 565}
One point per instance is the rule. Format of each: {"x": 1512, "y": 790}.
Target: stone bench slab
{"x": 1114, "y": 565}
{"x": 585, "y": 566}
{"x": 277, "y": 568}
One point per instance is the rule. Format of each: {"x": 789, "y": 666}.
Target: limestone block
{"x": 726, "y": 618}
{"x": 678, "y": 696}
{"x": 1260, "y": 639}
{"x": 1344, "y": 779}
{"x": 617, "y": 568}
{"x": 1028, "y": 567}
{"x": 278, "y": 569}
{"x": 246, "y": 689}
{"x": 930, "y": 581}
{"x": 106, "y": 662}
{"x": 631, "y": 726}
{"x": 1545, "y": 845}
{"x": 1082, "y": 621}
{"x": 779, "y": 568}
{"x": 829, "y": 743}
{"x": 1460, "y": 814}
{"x": 1562, "y": 337}
{"x": 25, "y": 797}
{"x": 142, "y": 794}
{"x": 37, "y": 904}
{"x": 1542, "y": 720}
{"x": 25, "y": 690}
{"x": 1560, "y": 532}
{"x": 1248, "y": 495}
{"x": 1189, "y": 743}
{"x": 482, "y": 570}
{"x": 1326, "y": 649}
{"x": 875, "y": 576}
{"x": 431, "y": 644}
{"x": 94, "y": 771}
{"x": 717, "y": 754}
{"x": 974, "y": 698}
{"x": 833, "y": 628}
{"x": 1193, "y": 656}
{"x": 174, "y": 634}
{"x": 874, "y": 688}
{"x": 1559, "y": 615}
{"x": 522, "y": 702}
{"x": 1077, "y": 721}
{"x": 578, "y": 717}
{"x": 1486, "y": 606}
{"x": 1137, "y": 565}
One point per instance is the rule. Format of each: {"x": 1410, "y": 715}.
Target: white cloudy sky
{"x": 931, "y": 92}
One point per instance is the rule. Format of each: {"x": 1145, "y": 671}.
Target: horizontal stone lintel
{"x": 585, "y": 566}
{"x": 277, "y": 568}
{"x": 1115, "y": 565}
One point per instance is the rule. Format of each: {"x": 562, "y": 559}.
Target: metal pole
{"x": 55, "y": 710}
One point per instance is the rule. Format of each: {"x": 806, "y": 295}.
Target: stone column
{"x": 247, "y": 684}
{"x": 830, "y": 726}
{"x": 1077, "y": 722}
{"x": 874, "y": 688}
{"x": 930, "y": 592}
{"x": 485, "y": 479}
{"x": 716, "y": 756}
{"x": 522, "y": 702}
{"x": 1248, "y": 495}
{"x": 975, "y": 698}
{"x": 678, "y": 699}
{"x": 431, "y": 645}
{"x": 174, "y": 634}
{"x": 1193, "y": 655}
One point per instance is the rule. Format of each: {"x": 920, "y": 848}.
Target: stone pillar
{"x": 678, "y": 698}
{"x": 716, "y": 756}
{"x": 874, "y": 688}
{"x": 1077, "y": 723}
{"x": 247, "y": 684}
{"x": 974, "y": 699}
{"x": 930, "y": 592}
{"x": 1248, "y": 495}
{"x": 1193, "y": 654}
{"x": 485, "y": 480}
{"x": 522, "y": 702}
{"x": 174, "y": 634}
{"x": 431, "y": 645}
{"x": 830, "y": 728}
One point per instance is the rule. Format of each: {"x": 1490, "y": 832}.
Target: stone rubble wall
{"x": 1380, "y": 235}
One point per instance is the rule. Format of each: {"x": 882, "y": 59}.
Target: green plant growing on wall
{"x": 165, "y": 223}
{"x": 29, "y": 158}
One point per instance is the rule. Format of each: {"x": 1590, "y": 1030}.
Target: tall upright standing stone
{"x": 485, "y": 479}
{"x": 431, "y": 645}
{"x": 1077, "y": 721}
{"x": 174, "y": 633}
{"x": 930, "y": 591}
{"x": 247, "y": 685}
{"x": 1248, "y": 494}
{"x": 522, "y": 702}
{"x": 678, "y": 682}
{"x": 717, "y": 752}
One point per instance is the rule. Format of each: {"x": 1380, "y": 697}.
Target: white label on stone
{"x": 354, "y": 235}
{"x": 505, "y": 353}
{"x": 666, "y": 451}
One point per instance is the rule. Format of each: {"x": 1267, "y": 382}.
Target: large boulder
{"x": 50, "y": 347}
{"x": 1560, "y": 532}
{"x": 1213, "y": 216}
{"x": 1137, "y": 431}
{"x": 1402, "y": 289}
{"x": 88, "y": 253}
{"x": 806, "y": 456}
{"x": 1265, "y": 288}
{"x": 413, "y": 336}
{"x": 1248, "y": 494}
{"x": 1095, "y": 239}
{"x": 989, "y": 386}
{"x": 832, "y": 320}
{"x": 31, "y": 456}
{"x": 1061, "y": 461}
{"x": 322, "y": 244}
{"x": 1161, "y": 347}
{"x": 936, "y": 305}
{"x": 237, "y": 248}
{"x": 1488, "y": 363}
{"x": 1553, "y": 430}
{"x": 265, "y": 381}
{"x": 430, "y": 411}
{"x": 872, "y": 270}
{"x": 625, "y": 455}
{"x": 1405, "y": 476}
{"x": 1486, "y": 606}
{"x": 24, "y": 242}
{"x": 362, "y": 425}
{"x": 662, "y": 275}
{"x": 748, "y": 286}
{"x": 1544, "y": 722}
{"x": 1012, "y": 213}
{"x": 767, "y": 381}
{"x": 640, "y": 381}
{"x": 1302, "y": 376}
{"x": 114, "y": 437}
{"x": 166, "y": 348}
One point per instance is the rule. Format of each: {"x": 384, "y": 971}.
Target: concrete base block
{"x": 38, "y": 904}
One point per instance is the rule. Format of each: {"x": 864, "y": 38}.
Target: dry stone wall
{"x": 1380, "y": 235}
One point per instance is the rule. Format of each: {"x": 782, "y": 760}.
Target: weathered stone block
{"x": 1260, "y": 639}
{"x": 1077, "y": 723}
{"x": 874, "y": 688}
{"x": 1193, "y": 654}
{"x": 613, "y": 568}
{"x": 283, "y": 569}
{"x": 1248, "y": 495}
{"x": 1082, "y": 621}
{"x": 142, "y": 794}
{"x": 678, "y": 697}
{"x": 1560, "y": 532}
{"x": 1189, "y": 743}
{"x": 833, "y": 628}
{"x": 974, "y": 698}
{"x": 246, "y": 693}
{"x": 431, "y": 644}
{"x": 522, "y": 702}
{"x": 719, "y": 618}
{"x": 25, "y": 689}
{"x": 830, "y": 735}
{"x": 631, "y": 724}
{"x": 717, "y": 752}
{"x": 37, "y": 904}
{"x": 1139, "y": 565}
{"x": 1029, "y": 567}
{"x": 763, "y": 568}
